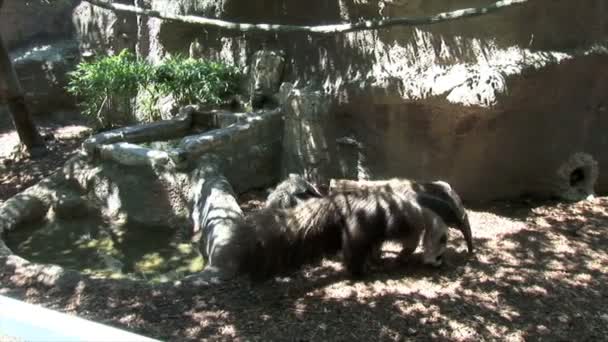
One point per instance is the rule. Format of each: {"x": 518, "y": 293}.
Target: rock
{"x": 47, "y": 275}
{"x": 29, "y": 205}
{"x": 168, "y": 107}
{"x": 251, "y": 167}
{"x": 444, "y": 103}
{"x": 134, "y": 155}
{"x": 4, "y": 250}
{"x": 350, "y": 159}
{"x": 563, "y": 318}
{"x": 216, "y": 214}
{"x": 165, "y": 109}
{"x": 266, "y": 72}
{"x": 71, "y": 206}
{"x": 22, "y": 21}
{"x": 100, "y": 31}
{"x": 249, "y": 146}
{"x": 138, "y": 195}
{"x": 575, "y": 179}
{"x": 42, "y": 68}
{"x": 305, "y": 146}
{"x": 210, "y": 276}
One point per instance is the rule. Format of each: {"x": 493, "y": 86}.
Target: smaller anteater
{"x": 294, "y": 190}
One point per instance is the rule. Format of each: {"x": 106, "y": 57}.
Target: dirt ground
{"x": 62, "y": 141}
{"x": 539, "y": 273}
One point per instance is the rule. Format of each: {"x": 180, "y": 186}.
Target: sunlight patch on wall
{"x": 468, "y": 71}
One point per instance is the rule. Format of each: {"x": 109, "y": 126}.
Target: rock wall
{"x": 42, "y": 69}
{"x": 512, "y": 149}
{"x": 101, "y": 31}
{"x": 252, "y": 160}
{"x": 39, "y": 36}
{"x": 22, "y": 22}
{"x": 305, "y": 149}
{"x": 493, "y": 104}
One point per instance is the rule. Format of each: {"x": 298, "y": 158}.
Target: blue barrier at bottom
{"x": 27, "y": 322}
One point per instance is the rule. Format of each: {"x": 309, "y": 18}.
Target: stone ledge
{"x": 218, "y": 118}
{"x": 133, "y": 155}
{"x": 161, "y": 130}
{"x": 197, "y": 145}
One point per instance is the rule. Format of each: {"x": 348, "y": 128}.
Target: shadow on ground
{"x": 542, "y": 280}
{"x": 62, "y": 140}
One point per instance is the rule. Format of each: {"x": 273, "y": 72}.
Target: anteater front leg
{"x": 409, "y": 244}
{"x": 356, "y": 247}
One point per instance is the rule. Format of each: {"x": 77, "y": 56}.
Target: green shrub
{"x": 196, "y": 81}
{"x": 118, "y": 78}
{"x": 107, "y": 80}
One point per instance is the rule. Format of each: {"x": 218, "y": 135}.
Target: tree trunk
{"x": 12, "y": 95}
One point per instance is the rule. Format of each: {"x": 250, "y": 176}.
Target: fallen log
{"x": 216, "y": 214}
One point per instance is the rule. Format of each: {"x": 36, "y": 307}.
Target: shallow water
{"x": 94, "y": 247}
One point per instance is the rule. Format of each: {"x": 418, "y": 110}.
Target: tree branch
{"x": 321, "y": 29}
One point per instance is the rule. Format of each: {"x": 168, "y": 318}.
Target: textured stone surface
{"x": 575, "y": 179}
{"x": 487, "y": 153}
{"x": 100, "y": 31}
{"x": 249, "y": 144}
{"x": 29, "y": 205}
{"x": 467, "y": 101}
{"x": 135, "y": 194}
{"x": 135, "y": 197}
{"x": 22, "y": 22}
{"x": 155, "y": 131}
{"x": 491, "y": 104}
{"x": 249, "y": 148}
{"x": 134, "y": 155}
{"x": 47, "y": 275}
{"x": 252, "y": 166}
{"x": 4, "y": 250}
{"x": 132, "y": 190}
{"x": 305, "y": 145}
{"x": 41, "y": 68}
{"x": 71, "y": 205}
{"x": 265, "y": 73}
{"x": 215, "y": 215}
